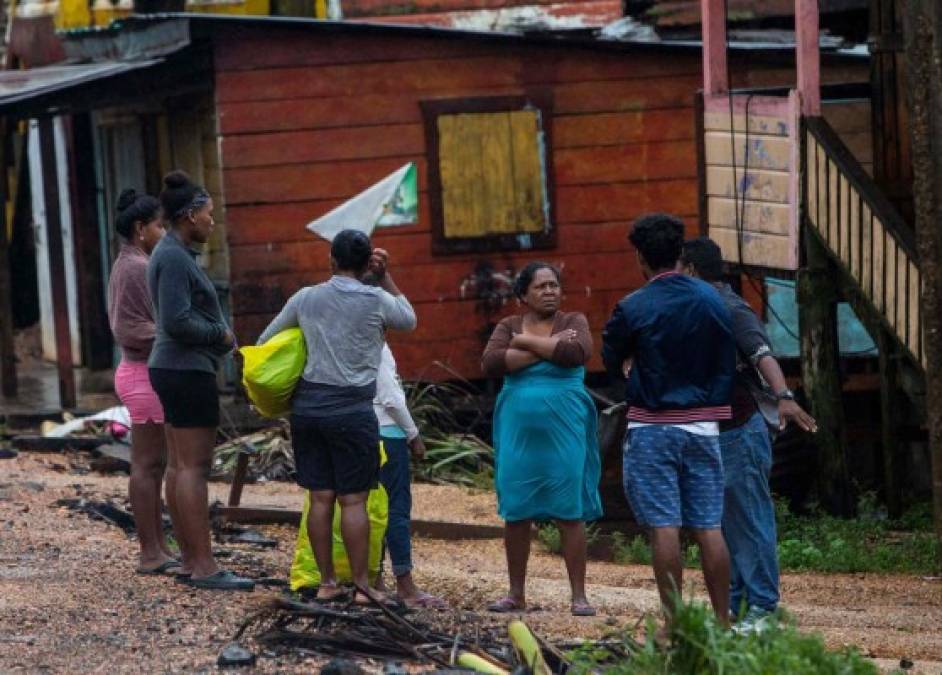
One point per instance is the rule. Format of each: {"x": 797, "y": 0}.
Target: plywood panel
{"x": 766, "y": 186}
{"x": 765, "y": 152}
{"x": 764, "y": 217}
{"x": 768, "y": 250}
{"x": 758, "y": 124}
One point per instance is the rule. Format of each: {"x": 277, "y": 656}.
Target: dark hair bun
{"x": 176, "y": 180}
{"x": 351, "y": 249}
{"x": 126, "y": 199}
{"x": 178, "y": 193}
{"x": 133, "y": 207}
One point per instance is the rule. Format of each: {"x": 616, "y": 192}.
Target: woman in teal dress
{"x": 547, "y": 455}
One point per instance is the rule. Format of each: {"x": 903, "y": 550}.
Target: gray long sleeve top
{"x": 190, "y": 325}
{"x": 344, "y": 323}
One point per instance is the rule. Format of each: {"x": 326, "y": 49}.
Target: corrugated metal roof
{"x": 500, "y": 15}
{"x": 21, "y": 86}
{"x": 682, "y": 13}
{"x": 204, "y": 25}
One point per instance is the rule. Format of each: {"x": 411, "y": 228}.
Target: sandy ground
{"x": 70, "y": 602}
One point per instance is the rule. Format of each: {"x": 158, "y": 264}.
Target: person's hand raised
{"x": 379, "y": 260}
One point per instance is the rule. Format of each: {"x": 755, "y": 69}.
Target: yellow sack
{"x": 304, "y": 572}
{"x": 270, "y": 372}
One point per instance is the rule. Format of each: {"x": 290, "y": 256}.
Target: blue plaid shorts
{"x": 673, "y": 478}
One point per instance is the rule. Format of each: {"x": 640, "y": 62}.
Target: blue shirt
{"x": 678, "y": 332}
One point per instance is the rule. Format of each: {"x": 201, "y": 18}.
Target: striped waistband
{"x": 683, "y": 416}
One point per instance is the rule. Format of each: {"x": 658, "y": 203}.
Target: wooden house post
{"x": 715, "y": 75}
{"x": 808, "y": 58}
{"x": 820, "y": 357}
{"x": 922, "y": 24}
{"x": 7, "y": 347}
{"x": 60, "y": 304}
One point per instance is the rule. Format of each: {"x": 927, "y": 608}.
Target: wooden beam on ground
{"x": 60, "y": 305}
{"x": 7, "y": 346}
{"x": 820, "y": 363}
{"x": 431, "y": 529}
{"x": 58, "y": 444}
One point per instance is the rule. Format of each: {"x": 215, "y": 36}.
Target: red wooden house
{"x": 527, "y": 146}
{"x": 309, "y": 116}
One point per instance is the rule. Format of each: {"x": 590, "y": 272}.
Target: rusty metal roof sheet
{"x": 494, "y": 15}
{"x": 682, "y": 13}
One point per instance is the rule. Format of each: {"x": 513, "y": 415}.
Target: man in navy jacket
{"x": 761, "y": 402}
{"x": 674, "y": 338}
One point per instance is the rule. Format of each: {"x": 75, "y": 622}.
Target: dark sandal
{"x": 425, "y": 601}
{"x": 506, "y": 605}
{"x": 223, "y": 580}
{"x": 338, "y": 594}
{"x": 162, "y": 569}
{"x": 582, "y": 609}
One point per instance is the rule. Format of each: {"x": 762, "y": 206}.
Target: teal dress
{"x": 546, "y": 452}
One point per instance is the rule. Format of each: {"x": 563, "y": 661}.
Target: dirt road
{"x": 70, "y": 601}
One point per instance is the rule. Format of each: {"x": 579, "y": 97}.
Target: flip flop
{"x": 506, "y": 605}
{"x": 425, "y": 601}
{"x": 338, "y": 595}
{"x": 161, "y": 569}
{"x": 223, "y": 580}
{"x": 386, "y": 601}
{"x": 582, "y": 609}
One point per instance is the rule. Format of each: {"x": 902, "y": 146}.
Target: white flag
{"x": 392, "y": 201}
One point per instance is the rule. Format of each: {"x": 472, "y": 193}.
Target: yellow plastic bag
{"x": 304, "y": 572}
{"x": 270, "y": 372}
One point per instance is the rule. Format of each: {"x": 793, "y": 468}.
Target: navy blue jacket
{"x": 678, "y": 332}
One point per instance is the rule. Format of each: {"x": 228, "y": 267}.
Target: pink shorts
{"x": 132, "y": 384}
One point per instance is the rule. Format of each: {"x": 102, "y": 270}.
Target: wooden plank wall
{"x": 751, "y": 179}
{"x": 309, "y": 120}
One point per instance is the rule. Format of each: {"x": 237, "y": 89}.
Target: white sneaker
{"x": 757, "y": 620}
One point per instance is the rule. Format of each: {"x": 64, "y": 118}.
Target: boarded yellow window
{"x": 492, "y": 174}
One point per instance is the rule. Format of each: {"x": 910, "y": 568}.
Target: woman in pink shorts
{"x": 131, "y": 315}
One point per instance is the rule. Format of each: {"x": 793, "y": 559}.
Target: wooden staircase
{"x": 863, "y": 233}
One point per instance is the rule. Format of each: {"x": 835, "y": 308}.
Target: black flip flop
{"x": 163, "y": 569}
{"x": 223, "y": 580}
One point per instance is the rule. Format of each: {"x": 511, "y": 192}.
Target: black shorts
{"x": 338, "y": 453}
{"x": 190, "y": 398}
